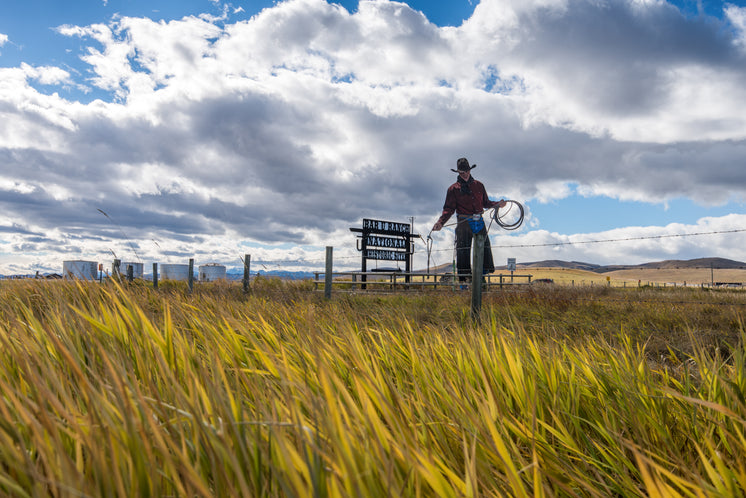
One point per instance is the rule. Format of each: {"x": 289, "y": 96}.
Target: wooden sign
{"x": 385, "y": 240}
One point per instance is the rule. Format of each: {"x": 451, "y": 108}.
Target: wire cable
{"x": 648, "y": 237}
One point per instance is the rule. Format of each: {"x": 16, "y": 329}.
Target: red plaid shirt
{"x": 465, "y": 204}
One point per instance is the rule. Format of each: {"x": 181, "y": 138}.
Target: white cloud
{"x": 3, "y": 40}
{"x": 290, "y": 127}
{"x": 709, "y": 237}
{"x": 737, "y": 17}
{"x": 638, "y": 71}
{"x": 46, "y": 75}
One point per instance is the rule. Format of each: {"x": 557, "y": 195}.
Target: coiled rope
{"x": 502, "y": 216}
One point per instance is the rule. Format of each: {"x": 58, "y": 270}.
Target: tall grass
{"x": 126, "y": 391}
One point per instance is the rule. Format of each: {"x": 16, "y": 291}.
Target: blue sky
{"x": 204, "y": 127}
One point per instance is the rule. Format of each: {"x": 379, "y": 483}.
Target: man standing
{"x": 468, "y": 199}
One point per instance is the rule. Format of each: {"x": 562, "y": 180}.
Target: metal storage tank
{"x": 211, "y": 272}
{"x": 137, "y": 269}
{"x": 87, "y": 270}
{"x": 174, "y": 271}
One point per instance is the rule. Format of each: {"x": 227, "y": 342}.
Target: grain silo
{"x": 86, "y": 270}
{"x": 137, "y": 269}
{"x": 211, "y": 272}
{"x": 170, "y": 271}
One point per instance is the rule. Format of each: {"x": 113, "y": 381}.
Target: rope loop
{"x": 509, "y": 217}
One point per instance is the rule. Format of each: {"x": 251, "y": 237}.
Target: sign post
{"x": 511, "y": 268}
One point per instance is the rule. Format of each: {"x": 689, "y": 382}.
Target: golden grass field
{"x": 122, "y": 390}
{"x": 690, "y": 276}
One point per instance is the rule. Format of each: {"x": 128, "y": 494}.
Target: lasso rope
{"x": 500, "y": 219}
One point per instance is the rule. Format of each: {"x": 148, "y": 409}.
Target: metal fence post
{"x": 155, "y": 275}
{"x": 328, "y": 273}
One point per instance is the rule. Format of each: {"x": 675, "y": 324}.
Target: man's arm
{"x": 449, "y": 207}
{"x": 488, "y": 203}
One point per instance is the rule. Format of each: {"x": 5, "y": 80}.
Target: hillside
{"x": 714, "y": 263}
{"x": 556, "y": 263}
{"x": 699, "y": 263}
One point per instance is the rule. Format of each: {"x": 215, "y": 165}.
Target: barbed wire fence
{"x": 328, "y": 273}
{"x": 282, "y": 264}
{"x": 347, "y": 260}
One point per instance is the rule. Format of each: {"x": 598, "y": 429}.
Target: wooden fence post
{"x": 115, "y": 267}
{"x": 155, "y": 275}
{"x": 190, "y": 277}
{"x": 246, "y": 272}
{"x": 328, "y": 273}
{"x": 477, "y": 268}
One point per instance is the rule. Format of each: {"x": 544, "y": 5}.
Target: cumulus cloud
{"x": 282, "y": 131}
{"x": 633, "y": 245}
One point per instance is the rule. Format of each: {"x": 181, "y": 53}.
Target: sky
{"x": 159, "y": 131}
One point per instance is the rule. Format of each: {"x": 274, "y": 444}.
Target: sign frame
{"x": 384, "y": 240}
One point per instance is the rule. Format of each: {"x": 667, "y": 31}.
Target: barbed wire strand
{"x": 513, "y": 246}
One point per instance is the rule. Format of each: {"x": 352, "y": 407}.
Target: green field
{"x": 556, "y": 391}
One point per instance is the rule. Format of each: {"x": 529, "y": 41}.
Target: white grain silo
{"x": 211, "y": 272}
{"x": 86, "y": 270}
{"x": 137, "y": 269}
{"x": 174, "y": 271}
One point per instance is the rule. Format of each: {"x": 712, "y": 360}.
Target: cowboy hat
{"x": 463, "y": 165}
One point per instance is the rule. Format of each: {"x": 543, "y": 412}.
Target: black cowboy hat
{"x": 463, "y": 165}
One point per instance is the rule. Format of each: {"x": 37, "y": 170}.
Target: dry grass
{"x": 125, "y": 391}
{"x": 693, "y": 276}
{"x": 565, "y": 276}
{"x": 679, "y": 276}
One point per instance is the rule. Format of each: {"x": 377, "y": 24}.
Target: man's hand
{"x": 438, "y": 225}
{"x": 501, "y": 203}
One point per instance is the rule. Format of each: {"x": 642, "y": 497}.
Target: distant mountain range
{"x": 229, "y": 275}
{"x": 715, "y": 263}
{"x": 284, "y": 274}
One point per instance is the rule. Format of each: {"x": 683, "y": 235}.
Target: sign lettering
{"x": 390, "y": 242}
{"x": 385, "y": 255}
{"x": 385, "y": 227}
